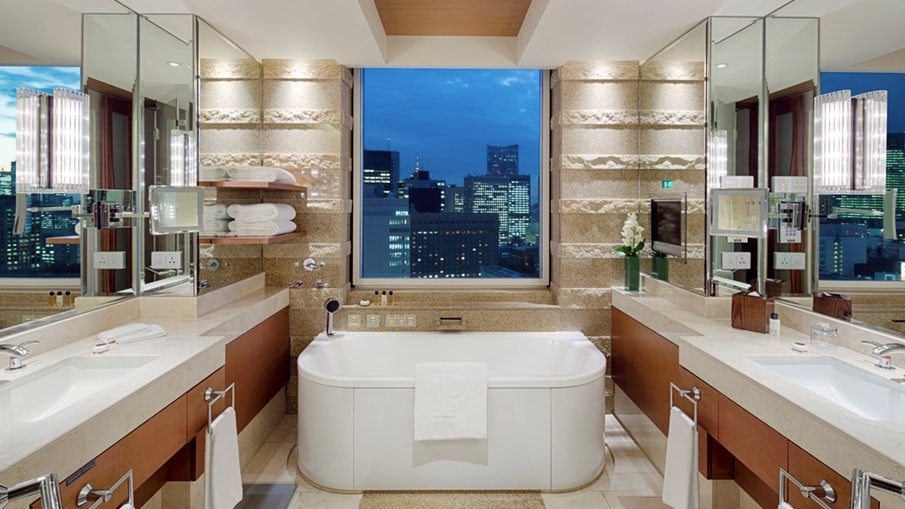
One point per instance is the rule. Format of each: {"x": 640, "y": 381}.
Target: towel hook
{"x": 212, "y": 396}
{"x": 818, "y": 493}
{"x": 693, "y": 395}
{"x": 88, "y": 493}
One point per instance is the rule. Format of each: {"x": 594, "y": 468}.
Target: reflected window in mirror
{"x": 48, "y": 247}
{"x": 862, "y": 236}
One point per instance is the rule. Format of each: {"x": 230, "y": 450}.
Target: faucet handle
{"x": 871, "y": 343}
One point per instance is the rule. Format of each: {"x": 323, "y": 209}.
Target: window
{"x": 29, "y": 255}
{"x": 450, "y": 177}
{"x": 855, "y": 242}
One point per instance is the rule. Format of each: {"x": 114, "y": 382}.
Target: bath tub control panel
{"x": 372, "y": 321}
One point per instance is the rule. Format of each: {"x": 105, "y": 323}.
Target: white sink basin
{"x": 870, "y": 396}
{"x": 43, "y": 393}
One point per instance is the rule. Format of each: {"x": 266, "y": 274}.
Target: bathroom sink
{"x": 45, "y": 392}
{"x": 857, "y": 390}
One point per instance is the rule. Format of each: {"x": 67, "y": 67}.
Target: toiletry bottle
{"x": 774, "y": 324}
{"x": 376, "y": 298}
{"x": 59, "y": 299}
{"x": 390, "y": 298}
{"x": 52, "y": 299}
{"x": 67, "y": 298}
{"x": 383, "y": 298}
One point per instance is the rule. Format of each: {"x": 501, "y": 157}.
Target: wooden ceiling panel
{"x": 452, "y": 17}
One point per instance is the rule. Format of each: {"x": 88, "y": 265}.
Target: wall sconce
{"x": 850, "y": 142}
{"x": 51, "y": 141}
{"x": 718, "y": 166}
{"x": 182, "y": 157}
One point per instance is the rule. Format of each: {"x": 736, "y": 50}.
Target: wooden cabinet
{"x": 758, "y": 446}
{"x": 808, "y": 470}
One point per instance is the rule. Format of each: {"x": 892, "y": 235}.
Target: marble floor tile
{"x": 629, "y": 480}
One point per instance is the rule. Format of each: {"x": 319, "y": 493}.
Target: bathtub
{"x": 545, "y": 415}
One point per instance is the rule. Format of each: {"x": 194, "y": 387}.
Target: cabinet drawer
{"x": 708, "y": 406}
{"x": 197, "y": 406}
{"x": 809, "y": 471}
{"x": 758, "y": 446}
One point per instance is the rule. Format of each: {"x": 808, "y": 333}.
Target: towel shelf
{"x": 273, "y": 239}
{"x": 693, "y": 395}
{"x": 822, "y": 493}
{"x": 212, "y": 396}
{"x": 247, "y": 184}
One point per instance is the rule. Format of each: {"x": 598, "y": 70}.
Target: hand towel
{"x": 261, "y": 212}
{"x": 113, "y": 334}
{"x": 261, "y": 228}
{"x": 215, "y": 211}
{"x": 223, "y": 483}
{"x": 216, "y": 225}
{"x": 450, "y": 401}
{"x": 213, "y": 173}
{"x": 785, "y": 505}
{"x": 151, "y": 332}
{"x": 261, "y": 174}
{"x": 680, "y": 477}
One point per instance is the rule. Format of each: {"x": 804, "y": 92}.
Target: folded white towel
{"x": 223, "y": 478}
{"x": 261, "y": 174}
{"x": 216, "y": 225}
{"x": 261, "y": 212}
{"x": 261, "y": 228}
{"x": 450, "y": 401}
{"x": 785, "y": 505}
{"x": 680, "y": 476}
{"x": 131, "y": 332}
{"x": 215, "y": 211}
{"x": 213, "y": 173}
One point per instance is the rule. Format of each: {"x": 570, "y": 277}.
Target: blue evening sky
{"x": 40, "y": 78}
{"x": 860, "y": 82}
{"x": 447, "y": 117}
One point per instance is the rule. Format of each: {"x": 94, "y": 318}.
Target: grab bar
{"x": 88, "y": 493}
{"x": 212, "y": 396}
{"x": 822, "y": 491}
{"x": 862, "y": 482}
{"x": 693, "y": 395}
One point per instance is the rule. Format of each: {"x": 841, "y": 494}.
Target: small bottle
{"x": 59, "y": 299}
{"x": 52, "y": 299}
{"x": 67, "y": 298}
{"x": 376, "y": 298}
{"x": 774, "y": 324}
{"x": 390, "y": 298}
{"x": 383, "y": 298}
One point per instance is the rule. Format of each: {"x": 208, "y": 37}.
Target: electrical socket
{"x": 166, "y": 260}
{"x": 110, "y": 260}
{"x": 353, "y": 321}
{"x": 788, "y": 261}
{"x": 735, "y": 260}
{"x": 373, "y": 321}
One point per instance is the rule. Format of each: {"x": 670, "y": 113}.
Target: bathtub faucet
{"x": 47, "y": 487}
{"x": 331, "y": 306}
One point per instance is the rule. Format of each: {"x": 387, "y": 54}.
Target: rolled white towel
{"x": 215, "y": 211}
{"x": 261, "y": 212}
{"x": 216, "y": 225}
{"x": 213, "y": 173}
{"x": 131, "y": 332}
{"x": 261, "y": 228}
{"x": 261, "y": 174}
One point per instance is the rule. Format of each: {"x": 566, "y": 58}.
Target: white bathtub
{"x": 545, "y": 416}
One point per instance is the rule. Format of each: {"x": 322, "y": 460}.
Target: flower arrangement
{"x": 632, "y": 237}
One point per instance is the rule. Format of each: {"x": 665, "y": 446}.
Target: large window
{"x": 855, "y": 243}
{"x": 29, "y": 254}
{"x": 450, "y": 177}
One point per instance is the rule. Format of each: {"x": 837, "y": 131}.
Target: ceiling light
{"x": 722, "y": 66}
{"x": 173, "y": 63}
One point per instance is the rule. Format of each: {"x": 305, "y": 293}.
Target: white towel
{"x": 261, "y": 212}
{"x": 785, "y": 505}
{"x": 261, "y": 228}
{"x": 261, "y": 174}
{"x": 215, "y": 211}
{"x": 680, "y": 477}
{"x": 216, "y": 225}
{"x": 450, "y": 401}
{"x": 213, "y": 173}
{"x": 132, "y": 332}
{"x": 223, "y": 479}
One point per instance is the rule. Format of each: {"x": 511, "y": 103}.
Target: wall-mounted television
{"x": 667, "y": 226}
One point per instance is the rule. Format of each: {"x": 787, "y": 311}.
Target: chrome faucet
{"x": 883, "y": 351}
{"x": 47, "y": 486}
{"x": 16, "y": 353}
{"x": 863, "y": 481}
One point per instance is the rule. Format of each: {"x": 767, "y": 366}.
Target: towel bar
{"x": 693, "y": 395}
{"x": 212, "y": 396}
{"x": 822, "y": 491}
{"x": 88, "y": 493}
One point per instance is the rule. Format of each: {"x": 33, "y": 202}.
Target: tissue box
{"x": 751, "y": 311}
{"x": 836, "y": 305}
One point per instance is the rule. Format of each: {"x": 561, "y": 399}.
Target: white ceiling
{"x": 554, "y": 31}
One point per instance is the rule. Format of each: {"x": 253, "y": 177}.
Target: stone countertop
{"x": 193, "y": 348}
{"x": 719, "y": 354}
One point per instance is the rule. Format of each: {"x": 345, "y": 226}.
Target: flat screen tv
{"x": 667, "y": 226}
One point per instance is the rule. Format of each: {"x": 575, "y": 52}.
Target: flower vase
{"x": 659, "y": 266}
{"x": 632, "y": 273}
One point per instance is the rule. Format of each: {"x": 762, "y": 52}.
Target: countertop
{"x": 193, "y": 348}
{"x": 718, "y": 354}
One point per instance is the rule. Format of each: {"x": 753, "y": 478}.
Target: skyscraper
{"x": 380, "y": 173}
{"x": 502, "y": 161}
{"x": 507, "y": 197}
{"x": 453, "y": 245}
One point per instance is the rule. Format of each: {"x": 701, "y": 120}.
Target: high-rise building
{"x": 380, "y": 173}
{"x": 453, "y": 245}
{"x": 502, "y": 161}
{"x": 507, "y": 197}
{"x": 421, "y": 179}
{"x": 895, "y": 170}
{"x": 386, "y": 231}
{"x": 455, "y": 199}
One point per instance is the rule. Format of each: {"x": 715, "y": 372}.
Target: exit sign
{"x": 666, "y": 184}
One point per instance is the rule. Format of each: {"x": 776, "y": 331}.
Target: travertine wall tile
{"x": 600, "y": 140}
{"x": 596, "y": 95}
{"x": 230, "y": 94}
{"x": 242, "y": 139}
{"x": 671, "y": 140}
{"x": 230, "y": 69}
{"x": 673, "y": 71}
{"x": 302, "y": 94}
{"x": 288, "y": 69}
{"x": 669, "y": 95}
{"x": 304, "y": 138}
{"x": 608, "y": 71}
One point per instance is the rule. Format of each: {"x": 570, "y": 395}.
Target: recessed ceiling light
{"x": 172, "y": 63}
{"x": 722, "y": 66}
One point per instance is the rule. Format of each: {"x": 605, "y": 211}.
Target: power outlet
{"x": 110, "y": 260}
{"x": 736, "y": 260}
{"x": 373, "y": 321}
{"x": 166, "y": 260}
{"x": 788, "y": 261}
{"x": 353, "y": 321}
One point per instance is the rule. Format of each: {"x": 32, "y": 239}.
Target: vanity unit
{"x": 152, "y": 416}
{"x": 752, "y": 418}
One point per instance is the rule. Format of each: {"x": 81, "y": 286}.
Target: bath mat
{"x": 266, "y": 496}
{"x": 451, "y": 500}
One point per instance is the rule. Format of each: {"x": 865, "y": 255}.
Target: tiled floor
{"x": 629, "y": 482}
